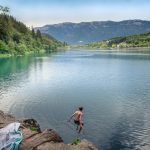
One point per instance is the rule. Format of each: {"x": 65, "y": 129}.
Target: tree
{"x": 4, "y": 10}
{"x": 3, "y": 47}
{"x": 38, "y": 34}
{"x": 16, "y": 37}
{"x": 21, "y": 48}
{"x": 4, "y": 28}
{"x": 33, "y": 33}
{"x": 1, "y": 8}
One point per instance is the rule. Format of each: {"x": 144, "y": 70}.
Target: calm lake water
{"x": 112, "y": 86}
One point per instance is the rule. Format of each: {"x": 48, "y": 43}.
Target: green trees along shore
{"x": 17, "y": 39}
{"x": 140, "y": 40}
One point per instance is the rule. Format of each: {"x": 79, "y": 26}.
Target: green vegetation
{"x": 34, "y": 129}
{"x": 141, "y": 40}
{"x": 17, "y": 39}
{"x": 76, "y": 141}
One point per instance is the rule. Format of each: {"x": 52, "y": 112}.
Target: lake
{"x": 112, "y": 86}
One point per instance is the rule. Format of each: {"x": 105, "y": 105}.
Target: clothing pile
{"x": 10, "y": 137}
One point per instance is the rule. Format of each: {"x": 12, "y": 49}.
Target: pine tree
{"x": 4, "y": 10}
{"x": 38, "y": 34}
{"x": 33, "y": 33}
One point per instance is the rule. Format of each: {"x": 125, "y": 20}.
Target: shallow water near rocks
{"x": 112, "y": 86}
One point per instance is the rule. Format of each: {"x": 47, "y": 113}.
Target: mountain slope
{"x": 141, "y": 40}
{"x": 16, "y": 38}
{"x": 87, "y": 32}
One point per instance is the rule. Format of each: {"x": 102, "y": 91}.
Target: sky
{"x": 42, "y": 12}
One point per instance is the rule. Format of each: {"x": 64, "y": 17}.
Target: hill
{"x": 87, "y": 32}
{"x": 141, "y": 40}
{"x": 16, "y": 38}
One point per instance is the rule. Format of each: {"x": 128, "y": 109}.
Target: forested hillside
{"x": 141, "y": 40}
{"x": 17, "y": 38}
{"x": 88, "y": 32}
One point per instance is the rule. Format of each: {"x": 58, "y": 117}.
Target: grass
{"x": 76, "y": 141}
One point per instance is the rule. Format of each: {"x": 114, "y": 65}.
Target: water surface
{"x": 112, "y": 86}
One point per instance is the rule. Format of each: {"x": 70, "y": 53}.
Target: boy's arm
{"x": 72, "y": 116}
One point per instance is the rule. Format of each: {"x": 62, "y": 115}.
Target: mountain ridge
{"x": 88, "y": 32}
{"x": 69, "y": 22}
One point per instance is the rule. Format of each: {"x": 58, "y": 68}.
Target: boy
{"x": 78, "y": 118}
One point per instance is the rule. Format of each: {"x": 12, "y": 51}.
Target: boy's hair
{"x": 80, "y": 108}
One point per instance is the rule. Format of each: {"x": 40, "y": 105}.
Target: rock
{"x": 5, "y": 119}
{"x": 31, "y": 124}
{"x": 35, "y": 139}
{"x": 84, "y": 145}
{"x": 27, "y": 133}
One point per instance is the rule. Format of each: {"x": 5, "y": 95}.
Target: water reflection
{"x": 14, "y": 73}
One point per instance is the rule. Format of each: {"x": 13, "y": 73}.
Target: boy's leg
{"x": 77, "y": 127}
{"x": 81, "y": 126}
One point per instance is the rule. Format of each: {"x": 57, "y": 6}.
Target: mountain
{"x": 140, "y": 40}
{"x": 16, "y": 38}
{"x": 87, "y": 32}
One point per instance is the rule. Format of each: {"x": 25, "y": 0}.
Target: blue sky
{"x": 41, "y": 12}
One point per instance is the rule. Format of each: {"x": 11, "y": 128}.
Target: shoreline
{"x": 110, "y": 48}
{"x": 32, "y": 52}
{"x": 88, "y": 48}
{"x": 34, "y": 138}
{"x": 5, "y": 55}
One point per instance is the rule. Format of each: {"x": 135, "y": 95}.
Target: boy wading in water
{"x": 77, "y": 115}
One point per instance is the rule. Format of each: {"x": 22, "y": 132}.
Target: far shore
{"x": 111, "y": 49}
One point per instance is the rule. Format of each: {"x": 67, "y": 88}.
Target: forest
{"x": 17, "y": 39}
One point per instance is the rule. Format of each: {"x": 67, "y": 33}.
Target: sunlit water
{"x": 113, "y": 87}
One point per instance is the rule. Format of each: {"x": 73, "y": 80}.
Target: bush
{"x": 21, "y": 48}
{"x": 3, "y": 47}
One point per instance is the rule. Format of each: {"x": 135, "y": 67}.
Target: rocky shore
{"x": 35, "y": 139}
